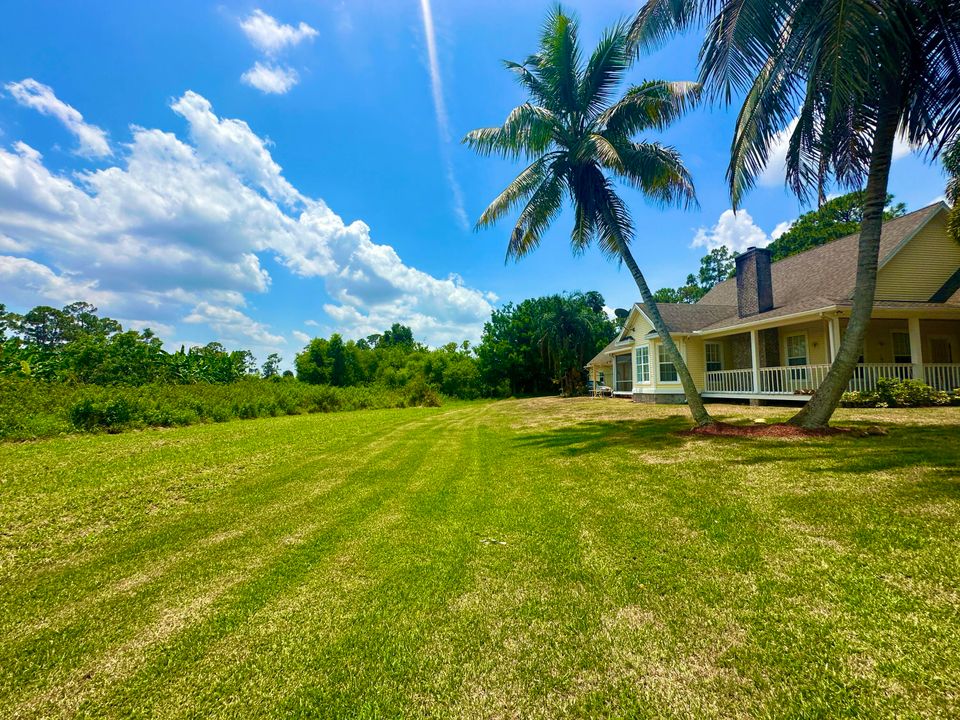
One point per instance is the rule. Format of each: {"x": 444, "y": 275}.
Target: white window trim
{"x": 636, "y": 379}
{"x": 893, "y": 345}
{"x": 706, "y": 361}
{"x": 786, "y": 345}
{"x": 667, "y": 382}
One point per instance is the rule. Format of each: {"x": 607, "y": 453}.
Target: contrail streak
{"x": 440, "y": 106}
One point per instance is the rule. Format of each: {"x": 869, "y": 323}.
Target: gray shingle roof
{"x": 828, "y": 271}
{"x": 820, "y": 277}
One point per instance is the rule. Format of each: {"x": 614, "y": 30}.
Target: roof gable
{"x": 827, "y": 271}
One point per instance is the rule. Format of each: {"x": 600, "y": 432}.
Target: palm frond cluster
{"x": 824, "y": 71}
{"x": 576, "y": 134}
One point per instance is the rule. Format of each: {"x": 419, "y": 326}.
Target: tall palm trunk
{"x": 700, "y": 415}
{"x": 817, "y": 412}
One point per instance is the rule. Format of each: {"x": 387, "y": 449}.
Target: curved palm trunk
{"x": 694, "y": 401}
{"x": 818, "y": 411}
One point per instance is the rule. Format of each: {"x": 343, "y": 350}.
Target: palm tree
{"x": 854, "y": 74}
{"x": 951, "y": 163}
{"x": 578, "y": 138}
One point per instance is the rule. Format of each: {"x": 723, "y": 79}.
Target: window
{"x": 643, "y": 363}
{"x": 714, "y": 355}
{"x": 796, "y": 350}
{"x": 601, "y": 377}
{"x": 797, "y": 355}
{"x": 901, "y": 347}
{"x": 666, "y": 371}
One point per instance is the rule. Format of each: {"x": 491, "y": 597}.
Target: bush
{"x": 422, "y": 395}
{"x": 892, "y": 392}
{"x": 32, "y": 408}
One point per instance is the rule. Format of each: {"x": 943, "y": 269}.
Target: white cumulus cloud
{"x": 271, "y": 79}
{"x": 270, "y": 36}
{"x": 175, "y": 230}
{"x": 736, "y": 231}
{"x": 91, "y": 139}
{"x": 301, "y": 336}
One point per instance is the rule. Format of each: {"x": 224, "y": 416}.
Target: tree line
{"x": 538, "y": 346}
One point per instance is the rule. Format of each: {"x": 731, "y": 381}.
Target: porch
{"x": 790, "y": 362}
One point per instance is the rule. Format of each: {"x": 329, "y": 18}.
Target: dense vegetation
{"x": 531, "y": 347}
{"x": 835, "y": 219}
{"x": 70, "y": 369}
{"x": 37, "y": 408}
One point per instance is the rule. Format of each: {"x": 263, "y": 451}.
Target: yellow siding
{"x": 878, "y": 345}
{"x": 638, "y": 328}
{"x": 922, "y": 266}
{"x": 818, "y": 352}
{"x": 948, "y": 329}
{"x": 692, "y": 349}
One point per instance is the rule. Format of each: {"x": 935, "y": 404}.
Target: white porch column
{"x": 916, "y": 347}
{"x": 755, "y": 360}
{"x": 834, "y": 331}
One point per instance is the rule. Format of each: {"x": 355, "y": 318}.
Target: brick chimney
{"x": 754, "y": 286}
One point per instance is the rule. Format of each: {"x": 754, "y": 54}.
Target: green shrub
{"x": 892, "y": 392}
{"x": 420, "y": 394}
{"x": 31, "y": 408}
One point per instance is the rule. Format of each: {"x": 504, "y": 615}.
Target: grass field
{"x": 528, "y": 559}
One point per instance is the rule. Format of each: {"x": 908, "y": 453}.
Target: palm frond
{"x": 540, "y": 211}
{"x": 522, "y": 187}
{"x": 605, "y": 70}
{"x": 527, "y": 132}
{"x": 652, "y": 105}
{"x": 559, "y": 60}
{"x": 658, "y": 172}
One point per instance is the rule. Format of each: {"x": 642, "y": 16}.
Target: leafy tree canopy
{"x": 835, "y": 219}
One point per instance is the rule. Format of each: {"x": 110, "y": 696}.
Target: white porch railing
{"x": 730, "y": 381}
{"x": 942, "y": 376}
{"x": 804, "y": 379}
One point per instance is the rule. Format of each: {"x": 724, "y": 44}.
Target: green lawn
{"x": 538, "y": 558}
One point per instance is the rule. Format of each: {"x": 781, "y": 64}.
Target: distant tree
{"x": 397, "y": 336}
{"x": 312, "y": 364}
{"x": 716, "y": 266}
{"x": 569, "y": 329}
{"x": 689, "y": 293}
{"x": 835, "y": 219}
{"x": 541, "y": 343}
{"x": 44, "y": 326}
{"x": 271, "y": 368}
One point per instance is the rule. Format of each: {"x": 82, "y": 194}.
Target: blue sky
{"x": 258, "y": 173}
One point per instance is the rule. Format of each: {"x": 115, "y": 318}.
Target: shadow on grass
{"x": 936, "y": 448}
{"x": 595, "y": 436}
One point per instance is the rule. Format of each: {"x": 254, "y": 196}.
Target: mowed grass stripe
{"x": 533, "y": 559}
{"x": 203, "y": 519}
{"x": 261, "y": 536}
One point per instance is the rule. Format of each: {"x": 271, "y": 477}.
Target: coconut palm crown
{"x": 579, "y": 138}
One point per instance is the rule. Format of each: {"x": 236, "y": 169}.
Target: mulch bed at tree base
{"x": 778, "y": 430}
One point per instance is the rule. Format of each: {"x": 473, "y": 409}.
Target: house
{"x": 771, "y": 332}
